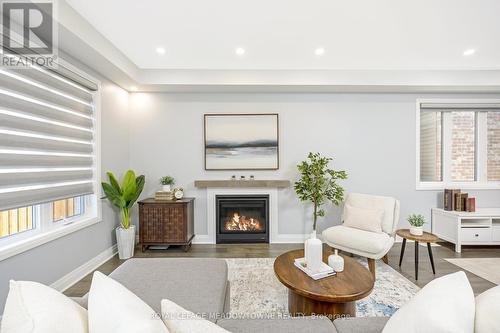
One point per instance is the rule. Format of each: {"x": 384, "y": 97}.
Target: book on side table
{"x": 323, "y": 272}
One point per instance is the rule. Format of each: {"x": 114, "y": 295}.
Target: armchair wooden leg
{"x": 371, "y": 266}
{"x": 385, "y": 259}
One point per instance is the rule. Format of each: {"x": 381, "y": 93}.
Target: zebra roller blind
{"x": 46, "y": 137}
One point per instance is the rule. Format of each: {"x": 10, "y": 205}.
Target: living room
{"x": 237, "y": 166}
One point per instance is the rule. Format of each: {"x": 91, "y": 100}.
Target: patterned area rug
{"x": 255, "y": 290}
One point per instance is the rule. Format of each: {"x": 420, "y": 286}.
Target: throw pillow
{"x": 35, "y": 308}
{"x": 487, "y": 305}
{"x": 115, "y": 309}
{"x": 363, "y": 218}
{"x": 444, "y": 305}
{"x": 180, "y": 320}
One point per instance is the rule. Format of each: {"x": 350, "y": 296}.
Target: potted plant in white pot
{"x": 167, "y": 182}
{"x": 318, "y": 184}
{"x": 124, "y": 198}
{"x": 416, "y": 224}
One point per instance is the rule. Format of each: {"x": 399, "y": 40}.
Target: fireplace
{"x": 242, "y": 218}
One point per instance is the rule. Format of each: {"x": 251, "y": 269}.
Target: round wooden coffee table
{"x": 334, "y": 296}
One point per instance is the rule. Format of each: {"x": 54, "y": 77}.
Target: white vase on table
{"x": 313, "y": 252}
{"x": 336, "y": 262}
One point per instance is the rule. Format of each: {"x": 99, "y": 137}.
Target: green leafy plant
{"x": 318, "y": 183}
{"x": 416, "y": 220}
{"x": 125, "y": 196}
{"x": 167, "y": 180}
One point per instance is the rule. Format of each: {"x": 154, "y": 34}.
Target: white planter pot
{"x": 313, "y": 252}
{"x": 417, "y": 231}
{"x": 126, "y": 242}
{"x": 166, "y": 188}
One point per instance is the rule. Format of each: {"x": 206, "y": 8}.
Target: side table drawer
{"x": 476, "y": 234}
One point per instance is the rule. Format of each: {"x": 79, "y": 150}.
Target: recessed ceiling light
{"x": 319, "y": 51}
{"x": 160, "y": 50}
{"x": 133, "y": 88}
{"x": 239, "y": 51}
{"x": 469, "y": 52}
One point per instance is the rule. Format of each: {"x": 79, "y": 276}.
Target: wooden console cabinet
{"x": 166, "y": 222}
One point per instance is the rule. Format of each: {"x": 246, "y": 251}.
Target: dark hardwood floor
{"x": 444, "y": 250}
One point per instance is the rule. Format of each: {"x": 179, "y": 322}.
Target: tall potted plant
{"x": 318, "y": 184}
{"x": 124, "y": 197}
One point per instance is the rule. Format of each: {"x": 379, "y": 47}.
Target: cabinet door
{"x": 175, "y": 226}
{"x": 152, "y": 221}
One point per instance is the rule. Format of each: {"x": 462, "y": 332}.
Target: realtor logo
{"x": 28, "y": 30}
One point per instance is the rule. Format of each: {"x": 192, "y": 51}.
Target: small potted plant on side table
{"x": 416, "y": 224}
{"x": 167, "y": 182}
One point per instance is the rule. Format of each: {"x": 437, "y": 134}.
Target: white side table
{"x": 481, "y": 227}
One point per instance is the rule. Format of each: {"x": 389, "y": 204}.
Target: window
{"x": 49, "y": 164}
{"x": 458, "y": 145}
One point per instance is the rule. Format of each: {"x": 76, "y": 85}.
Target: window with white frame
{"x": 458, "y": 144}
{"x": 48, "y": 153}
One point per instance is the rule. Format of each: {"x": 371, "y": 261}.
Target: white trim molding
{"x": 80, "y": 272}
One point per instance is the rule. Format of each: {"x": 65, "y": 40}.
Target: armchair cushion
{"x": 361, "y": 242}
{"x": 362, "y": 218}
{"x": 387, "y": 204}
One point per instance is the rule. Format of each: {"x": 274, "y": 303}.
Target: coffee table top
{"x": 354, "y": 283}
{"x": 427, "y": 237}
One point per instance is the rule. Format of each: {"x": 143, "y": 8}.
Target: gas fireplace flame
{"x": 241, "y": 223}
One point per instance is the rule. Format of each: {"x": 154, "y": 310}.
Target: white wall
{"x": 371, "y": 136}
{"x": 49, "y": 262}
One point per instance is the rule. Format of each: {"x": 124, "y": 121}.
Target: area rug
{"x": 486, "y": 268}
{"x": 256, "y": 291}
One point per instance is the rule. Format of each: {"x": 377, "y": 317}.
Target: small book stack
{"x": 458, "y": 201}
{"x": 164, "y": 196}
{"x": 323, "y": 272}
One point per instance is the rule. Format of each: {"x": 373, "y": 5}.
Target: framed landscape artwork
{"x": 241, "y": 142}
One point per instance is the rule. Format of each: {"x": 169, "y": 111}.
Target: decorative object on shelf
{"x": 124, "y": 198}
{"x": 242, "y": 178}
{"x": 241, "y": 142}
{"x": 416, "y": 222}
{"x": 233, "y": 177}
{"x": 449, "y": 198}
{"x": 471, "y": 205}
{"x": 179, "y": 193}
{"x": 252, "y": 177}
{"x": 167, "y": 182}
{"x": 336, "y": 262}
{"x": 317, "y": 185}
{"x": 162, "y": 195}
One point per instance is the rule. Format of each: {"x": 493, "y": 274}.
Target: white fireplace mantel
{"x": 274, "y": 235}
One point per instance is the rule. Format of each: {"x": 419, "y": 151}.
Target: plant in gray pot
{"x": 416, "y": 224}
{"x": 124, "y": 197}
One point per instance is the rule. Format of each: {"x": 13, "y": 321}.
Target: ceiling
{"x": 285, "y": 34}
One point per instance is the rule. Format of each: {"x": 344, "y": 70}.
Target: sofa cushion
{"x": 445, "y": 304}
{"x": 196, "y": 284}
{"x": 279, "y": 325}
{"x": 360, "y": 325}
{"x": 387, "y": 204}
{"x": 362, "y": 218}
{"x": 35, "y": 308}
{"x": 179, "y": 320}
{"x": 113, "y": 308}
{"x": 487, "y": 306}
{"x": 346, "y": 238}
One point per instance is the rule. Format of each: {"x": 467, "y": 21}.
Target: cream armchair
{"x": 372, "y": 245}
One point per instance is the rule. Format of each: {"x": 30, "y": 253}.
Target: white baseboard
{"x": 80, "y": 272}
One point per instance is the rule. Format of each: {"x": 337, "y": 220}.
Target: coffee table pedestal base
{"x": 299, "y": 305}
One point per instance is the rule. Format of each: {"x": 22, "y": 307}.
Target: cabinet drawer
{"x": 476, "y": 234}
{"x": 495, "y": 234}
